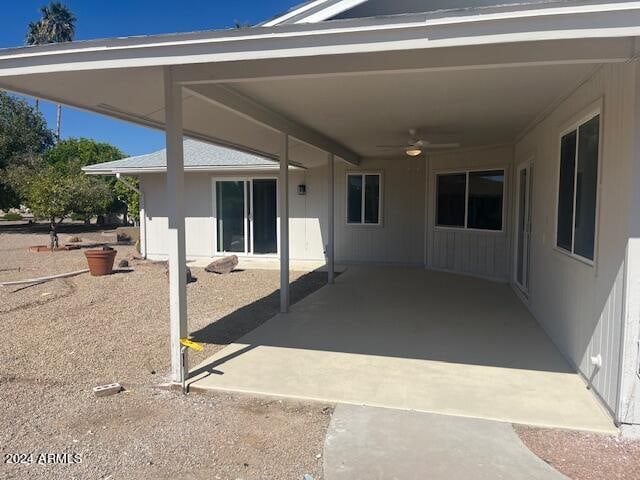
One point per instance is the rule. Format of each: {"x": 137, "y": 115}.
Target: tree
{"x": 90, "y": 197}
{"x": 71, "y": 154}
{"x": 54, "y": 194}
{"x": 57, "y": 24}
{"x": 47, "y": 192}
{"x": 129, "y": 197}
{"x": 24, "y": 136}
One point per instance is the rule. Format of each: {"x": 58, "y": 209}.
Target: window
{"x": 363, "y": 198}
{"x": 470, "y": 200}
{"x": 577, "y": 189}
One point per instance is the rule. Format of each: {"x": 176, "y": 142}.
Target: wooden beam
{"x": 234, "y": 101}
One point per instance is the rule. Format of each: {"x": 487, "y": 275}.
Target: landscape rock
{"x": 190, "y": 277}
{"x": 222, "y": 266}
{"x": 124, "y": 263}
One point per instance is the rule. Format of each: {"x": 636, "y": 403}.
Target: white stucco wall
{"x": 579, "y": 305}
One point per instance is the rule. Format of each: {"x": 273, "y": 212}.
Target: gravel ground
{"x": 584, "y": 456}
{"x": 64, "y": 337}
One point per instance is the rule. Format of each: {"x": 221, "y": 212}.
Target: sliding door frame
{"x": 248, "y": 215}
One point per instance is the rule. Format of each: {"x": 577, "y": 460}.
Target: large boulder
{"x": 223, "y": 265}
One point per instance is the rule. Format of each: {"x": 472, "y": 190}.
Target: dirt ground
{"x": 584, "y": 456}
{"x": 62, "y": 338}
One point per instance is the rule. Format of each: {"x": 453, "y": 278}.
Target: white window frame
{"x": 574, "y": 125}
{"x": 362, "y": 223}
{"x": 464, "y": 227}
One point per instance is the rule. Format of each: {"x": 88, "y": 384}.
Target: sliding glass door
{"x": 264, "y": 216}
{"x": 246, "y": 216}
{"x": 231, "y": 214}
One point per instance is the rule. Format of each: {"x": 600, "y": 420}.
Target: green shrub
{"x": 12, "y": 217}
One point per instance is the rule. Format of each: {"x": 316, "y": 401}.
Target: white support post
{"x": 330, "y": 221}
{"x": 284, "y": 224}
{"x": 175, "y": 208}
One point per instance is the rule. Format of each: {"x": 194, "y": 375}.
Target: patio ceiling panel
{"x": 136, "y": 95}
{"x": 479, "y": 107}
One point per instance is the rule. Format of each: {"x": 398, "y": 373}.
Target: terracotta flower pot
{"x": 100, "y": 261}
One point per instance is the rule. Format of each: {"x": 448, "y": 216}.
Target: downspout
{"x": 143, "y": 218}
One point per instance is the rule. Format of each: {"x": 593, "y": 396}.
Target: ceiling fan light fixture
{"x": 413, "y": 151}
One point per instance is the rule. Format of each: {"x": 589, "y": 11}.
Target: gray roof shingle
{"x": 196, "y": 154}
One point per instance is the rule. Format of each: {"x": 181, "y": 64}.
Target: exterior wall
{"x": 400, "y": 237}
{"x": 630, "y": 388}
{"x": 307, "y": 214}
{"x": 484, "y": 254}
{"x": 579, "y": 305}
{"x": 199, "y": 232}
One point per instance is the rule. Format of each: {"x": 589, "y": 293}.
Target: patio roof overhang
{"x": 342, "y": 86}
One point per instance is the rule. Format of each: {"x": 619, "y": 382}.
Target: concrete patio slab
{"x": 379, "y": 443}
{"x": 269, "y": 263}
{"x": 411, "y": 339}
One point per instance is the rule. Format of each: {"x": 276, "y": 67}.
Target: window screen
{"x": 371, "y": 198}
{"x": 586, "y": 188}
{"x": 354, "y": 199}
{"x": 577, "y": 189}
{"x": 363, "y": 198}
{"x": 485, "y": 200}
{"x": 565, "y": 196}
{"x": 450, "y": 203}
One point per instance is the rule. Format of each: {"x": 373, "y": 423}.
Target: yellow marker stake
{"x": 192, "y": 345}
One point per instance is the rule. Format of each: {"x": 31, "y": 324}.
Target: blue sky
{"x": 116, "y": 18}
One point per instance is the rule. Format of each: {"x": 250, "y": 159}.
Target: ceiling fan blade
{"x": 442, "y": 145}
{"x": 391, "y": 146}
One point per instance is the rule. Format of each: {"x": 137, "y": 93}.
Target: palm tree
{"x": 56, "y": 25}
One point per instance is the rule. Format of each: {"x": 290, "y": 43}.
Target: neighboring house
{"x": 524, "y": 166}
{"x": 231, "y": 203}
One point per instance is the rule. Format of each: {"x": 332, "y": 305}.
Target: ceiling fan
{"x": 416, "y": 146}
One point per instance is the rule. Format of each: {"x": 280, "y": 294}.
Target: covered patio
{"x": 411, "y": 339}
{"x": 325, "y": 97}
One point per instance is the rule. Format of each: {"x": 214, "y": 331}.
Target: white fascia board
{"x": 293, "y": 13}
{"x": 405, "y": 32}
{"x": 133, "y": 171}
{"x": 331, "y": 11}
